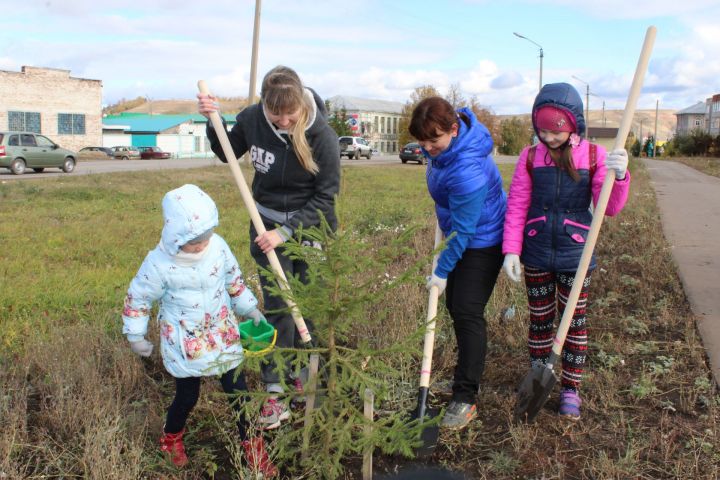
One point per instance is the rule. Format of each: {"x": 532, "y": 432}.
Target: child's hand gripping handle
{"x": 253, "y": 211}
{"x": 604, "y": 197}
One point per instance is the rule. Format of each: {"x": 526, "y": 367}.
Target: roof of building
{"x": 143, "y": 122}
{"x": 602, "y": 132}
{"x": 698, "y": 109}
{"x": 356, "y": 104}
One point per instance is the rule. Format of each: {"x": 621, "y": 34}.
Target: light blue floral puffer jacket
{"x": 198, "y": 299}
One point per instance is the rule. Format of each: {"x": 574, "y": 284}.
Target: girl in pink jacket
{"x": 547, "y": 221}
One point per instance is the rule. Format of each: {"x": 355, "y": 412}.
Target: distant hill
{"x": 165, "y": 107}
{"x": 666, "y": 118}
{"x": 666, "y": 121}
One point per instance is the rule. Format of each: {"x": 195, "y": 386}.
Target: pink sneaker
{"x": 273, "y": 413}
{"x": 298, "y": 399}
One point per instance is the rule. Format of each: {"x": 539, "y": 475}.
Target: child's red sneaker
{"x": 172, "y": 443}
{"x": 257, "y": 458}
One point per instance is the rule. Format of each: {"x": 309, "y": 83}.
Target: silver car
{"x": 355, "y": 147}
{"x": 22, "y": 150}
{"x": 126, "y": 153}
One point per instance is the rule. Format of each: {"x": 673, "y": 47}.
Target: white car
{"x": 355, "y": 147}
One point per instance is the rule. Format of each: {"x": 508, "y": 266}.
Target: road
{"x": 688, "y": 201}
{"x": 109, "y": 166}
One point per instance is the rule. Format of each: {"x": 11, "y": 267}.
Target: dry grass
{"x": 75, "y": 403}
{"x": 75, "y": 406}
{"x": 707, "y": 165}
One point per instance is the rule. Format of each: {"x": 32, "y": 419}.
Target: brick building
{"x": 49, "y": 101}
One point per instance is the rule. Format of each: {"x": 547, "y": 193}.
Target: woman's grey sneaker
{"x": 458, "y": 415}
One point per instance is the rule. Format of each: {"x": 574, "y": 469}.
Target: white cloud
{"x": 160, "y": 48}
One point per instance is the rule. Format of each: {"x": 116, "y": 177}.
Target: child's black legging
{"x": 187, "y": 392}
{"x": 547, "y": 294}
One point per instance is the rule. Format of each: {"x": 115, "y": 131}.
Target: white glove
{"x": 512, "y": 267}
{"x": 434, "y": 280}
{"x": 142, "y": 348}
{"x": 618, "y": 161}
{"x": 256, "y": 316}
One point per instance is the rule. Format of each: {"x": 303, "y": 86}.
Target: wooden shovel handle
{"x": 599, "y": 212}
{"x": 253, "y": 211}
{"x": 429, "y": 343}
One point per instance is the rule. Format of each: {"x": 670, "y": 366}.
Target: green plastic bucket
{"x": 257, "y": 340}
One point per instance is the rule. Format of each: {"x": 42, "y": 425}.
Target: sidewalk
{"x": 689, "y": 203}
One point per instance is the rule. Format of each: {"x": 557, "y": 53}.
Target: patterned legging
{"x": 544, "y": 303}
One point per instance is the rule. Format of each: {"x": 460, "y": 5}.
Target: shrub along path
{"x": 688, "y": 201}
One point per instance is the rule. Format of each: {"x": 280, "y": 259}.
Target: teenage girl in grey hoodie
{"x": 296, "y": 158}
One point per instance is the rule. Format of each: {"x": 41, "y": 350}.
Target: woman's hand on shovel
{"x": 207, "y": 104}
{"x": 269, "y": 240}
{"x": 435, "y": 281}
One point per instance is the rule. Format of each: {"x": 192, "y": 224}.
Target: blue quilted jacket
{"x": 466, "y": 186}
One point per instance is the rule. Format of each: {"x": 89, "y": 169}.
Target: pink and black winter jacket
{"x": 548, "y": 217}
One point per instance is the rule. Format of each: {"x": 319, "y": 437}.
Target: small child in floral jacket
{"x": 198, "y": 284}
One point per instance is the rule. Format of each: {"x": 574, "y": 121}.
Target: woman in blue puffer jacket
{"x": 466, "y": 186}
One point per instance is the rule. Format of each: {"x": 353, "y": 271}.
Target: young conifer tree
{"x": 346, "y": 299}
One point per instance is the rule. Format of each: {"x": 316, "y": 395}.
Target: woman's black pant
{"x": 276, "y": 309}
{"x": 468, "y": 290}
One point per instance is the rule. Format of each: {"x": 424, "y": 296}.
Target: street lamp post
{"x": 540, "y": 84}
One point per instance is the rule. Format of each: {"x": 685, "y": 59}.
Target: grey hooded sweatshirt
{"x": 284, "y": 191}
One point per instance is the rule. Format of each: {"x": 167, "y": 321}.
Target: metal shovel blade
{"x": 429, "y": 433}
{"x": 534, "y": 391}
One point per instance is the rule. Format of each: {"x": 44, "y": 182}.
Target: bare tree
{"x": 418, "y": 94}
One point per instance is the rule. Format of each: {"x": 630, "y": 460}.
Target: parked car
{"x": 95, "y": 153}
{"x": 412, "y": 153}
{"x": 21, "y": 150}
{"x": 126, "y": 153}
{"x": 355, "y": 147}
{"x": 153, "y": 152}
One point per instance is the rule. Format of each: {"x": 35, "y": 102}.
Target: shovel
{"x": 429, "y": 434}
{"x": 537, "y": 385}
{"x": 254, "y": 215}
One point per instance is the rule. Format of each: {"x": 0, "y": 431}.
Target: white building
{"x": 703, "y": 116}
{"x": 374, "y": 120}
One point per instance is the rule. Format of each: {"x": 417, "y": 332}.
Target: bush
{"x": 697, "y": 143}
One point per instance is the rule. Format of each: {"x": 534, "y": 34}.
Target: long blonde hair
{"x": 283, "y": 92}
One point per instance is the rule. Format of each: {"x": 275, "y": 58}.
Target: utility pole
{"x": 587, "y": 105}
{"x": 604, "y": 124}
{"x": 655, "y": 138}
{"x": 587, "y": 111}
{"x": 253, "y": 59}
{"x": 253, "y": 64}
{"x": 641, "y": 137}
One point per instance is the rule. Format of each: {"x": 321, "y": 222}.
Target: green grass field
{"x": 75, "y": 402}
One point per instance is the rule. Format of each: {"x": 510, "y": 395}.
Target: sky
{"x": 379, "y": 49}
